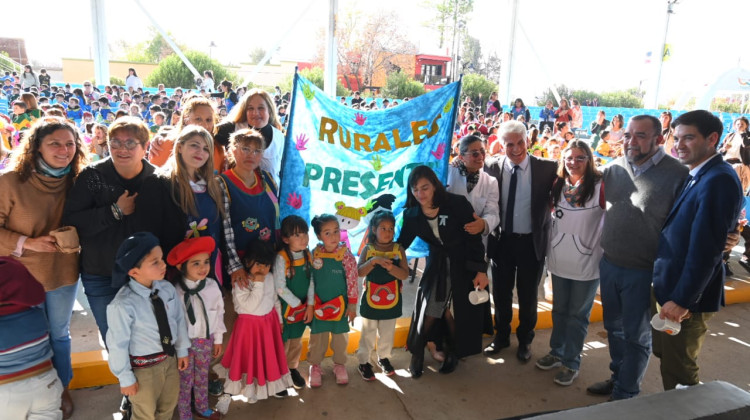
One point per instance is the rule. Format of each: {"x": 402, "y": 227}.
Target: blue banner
{"x": 353, "y": 163}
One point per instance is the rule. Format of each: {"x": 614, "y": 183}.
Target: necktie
{"x": 511, "y": 200}
{"x": 687, "y": 184}
{"x": 165, "y": 335}
{"x": 189, "y": 304}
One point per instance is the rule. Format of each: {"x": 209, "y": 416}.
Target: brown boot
{"x": 67, "y": 404}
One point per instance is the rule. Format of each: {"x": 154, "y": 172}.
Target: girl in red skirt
{"x": 254, "y": 363}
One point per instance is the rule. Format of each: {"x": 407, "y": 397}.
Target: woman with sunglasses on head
{"x": 573, "y": 256}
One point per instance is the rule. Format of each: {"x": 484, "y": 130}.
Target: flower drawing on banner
{"x": 308, "y": 92}
{"x": 448, "y": 106}
{"x": 439, "y": 152}
{"x": 360, "y": 119}
{"x": 376, "y": 163}
{"x": 302, "y": 140}
{"x": 294, "y": 200}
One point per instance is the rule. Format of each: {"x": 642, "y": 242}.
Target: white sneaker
{"x": 222, "y": 406}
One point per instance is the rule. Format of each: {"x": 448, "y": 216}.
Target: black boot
{"x": 416, "y": 367}
{"x": 451, "y": 361}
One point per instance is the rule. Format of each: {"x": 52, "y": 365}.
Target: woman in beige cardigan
{"x": 49, "y": 157}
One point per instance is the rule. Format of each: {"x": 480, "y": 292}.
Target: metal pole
{"x": 511, "y": 45}
{"x": 331, "y": 64}
{"x": 670, "y": 4}
{"x": 454, "y": 72}
{"x": 101, "y": 49}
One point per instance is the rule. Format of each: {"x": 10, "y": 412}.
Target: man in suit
{"x": 688, "y": 271}
{"x": 517, "y": 249}
{"x": 640, "y": 188}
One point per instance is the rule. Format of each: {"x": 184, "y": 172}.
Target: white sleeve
{"x": 279, "y": 280}
{"x": 491, "y": 210}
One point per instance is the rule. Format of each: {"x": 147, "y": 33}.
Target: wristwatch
{"x": 116, "y": 212}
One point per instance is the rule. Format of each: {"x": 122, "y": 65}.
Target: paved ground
{"x": 481, "y": 388}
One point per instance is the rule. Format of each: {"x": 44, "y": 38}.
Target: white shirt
{"x": 483, "y": 197}
{"x": 259, "y": 298}
{"x": 214, "y": 302}
{"x": 522, "y": 206}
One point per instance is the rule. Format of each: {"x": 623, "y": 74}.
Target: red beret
{"x": 189, "y": 247}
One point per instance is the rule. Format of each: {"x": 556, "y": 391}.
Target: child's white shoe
{"x": 222, "y": 406}
{"x": 342, "y": 378}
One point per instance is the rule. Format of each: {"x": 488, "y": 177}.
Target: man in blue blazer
{"x": 688, "y": 272}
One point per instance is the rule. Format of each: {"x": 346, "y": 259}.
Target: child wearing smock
{"x": 254, "y": 363}
{"x": 293, "y": 279}
{"x": 383, "y": 266}
{"x": 204, "y": 308}
{"x": 335, "y": 274}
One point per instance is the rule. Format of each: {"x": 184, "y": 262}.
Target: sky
{"x": 584, "y": 44}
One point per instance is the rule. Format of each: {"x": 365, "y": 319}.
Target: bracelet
{"x": 116, "y": 212}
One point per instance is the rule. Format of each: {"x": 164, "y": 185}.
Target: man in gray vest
{"x": 640, "y": 188}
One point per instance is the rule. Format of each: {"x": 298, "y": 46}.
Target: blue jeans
{"x": 58, "y": 305}
{"x": 626, "y": 297}
{"x": 571, "y": 309}
{"x": 99, "y": 292}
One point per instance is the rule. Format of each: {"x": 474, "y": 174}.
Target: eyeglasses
{"x": 248, "y": 151}
{"x": 128, "y": 145}
{"x": 476, "y": 153}
{"x": 579, "y": 159}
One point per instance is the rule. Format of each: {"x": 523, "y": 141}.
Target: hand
{"x": 40, "y": 244}
{"x": 481, "y": 281}
{"x": 387, "y": 264}
{"x": 126, "y": 203}
{"x": 256, "y": 276}
{"x": 182, "y": 363}
{"x": 673, "y": 312}
{"x": 351, "y": 313}
{"x": 309, "y": 314}
{"x": 156, "y": 147}
{"x": 218, "y": 348}
{"x": 475, "y": 227}
{"x": 239, "y": 279}
{"x": 129, "y": 391}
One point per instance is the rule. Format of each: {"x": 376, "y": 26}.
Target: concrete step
{"x": 90, "y": 368}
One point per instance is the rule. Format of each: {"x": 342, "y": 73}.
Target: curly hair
{"x": 24, "y": 163}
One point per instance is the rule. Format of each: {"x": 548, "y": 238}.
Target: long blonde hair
{"x": 239, "y": 112}
{"x": 179, "y": 179}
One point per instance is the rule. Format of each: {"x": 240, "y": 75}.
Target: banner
{"x": 353, "y": 163}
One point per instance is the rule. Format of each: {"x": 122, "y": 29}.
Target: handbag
{"x": 66, "y": 239}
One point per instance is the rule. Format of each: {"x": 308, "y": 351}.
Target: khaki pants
{"x": 158, "y": 391}
{"x": 293, "y": 350}
{"x": 319, "y": 346}
{"x": 372, "y": 329}
{"x": 679, "y": 353}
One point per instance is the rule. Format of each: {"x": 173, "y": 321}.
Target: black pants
{"x": 514, "y": 264}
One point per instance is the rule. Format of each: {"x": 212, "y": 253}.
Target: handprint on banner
{"x": 294, "y": 200}
{"x": 376, "y": 163}
{"x": 360, "y": 119}
{"x": 439, "y": 152}
{"x": 307, "y": 92}
{"x": 302, "y": 140}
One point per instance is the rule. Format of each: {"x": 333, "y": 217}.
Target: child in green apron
{"x": 335, "y": 274}
{"x": 293, "y": 279}
{"x": 383, "y": 264}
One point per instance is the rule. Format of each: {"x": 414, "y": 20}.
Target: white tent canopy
{"x": 735, "y": 80}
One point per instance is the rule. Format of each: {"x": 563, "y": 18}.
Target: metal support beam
{"x": 511, "y": 47}
{"x": 331, "y": 64}
{"x": 670, "y": 10}
{"x": 101, "y": 49}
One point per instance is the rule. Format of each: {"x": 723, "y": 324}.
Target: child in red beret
{"x": 204, "y": 309}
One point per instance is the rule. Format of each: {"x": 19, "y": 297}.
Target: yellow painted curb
{"x": 736, "y": 291}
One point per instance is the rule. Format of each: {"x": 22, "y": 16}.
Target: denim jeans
{"x": 99, "y": 292}
{"x": 626, "y": 297}
{"x": 571, "y": 309}
{"x": 58, "y": 306}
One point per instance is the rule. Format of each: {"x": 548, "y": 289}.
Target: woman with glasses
{"x": 34, "y": 189}
{"x": 254, "y": 205}
{"x": 112, "y": 199}
{"x": 573, "y": 256}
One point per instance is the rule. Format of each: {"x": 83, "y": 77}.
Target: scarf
{"x": 471, "y": 179}
{"x": 188, "y": 304}
{"x": 47, "y": 170}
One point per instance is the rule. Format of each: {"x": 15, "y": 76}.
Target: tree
{"x": 174, "y": 73}
{"x": 151, "y": 51}
{"x": 471, "y": 57}
{"x": 475, "y": 84}
{"x": 257, "y": 54}
{"x": 400, "y": 85}
{"x": 113, "y": 80}
{"x": 316, "y": 76}
{"x": 447, "y": 15}
{"x": 630, "y": 98}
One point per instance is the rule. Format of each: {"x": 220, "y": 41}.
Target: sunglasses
{"x": 476, "y": 153}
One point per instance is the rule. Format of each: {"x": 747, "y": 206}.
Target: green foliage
{"x": 151, "y": 51}
{"x": 727, "y": 105}
{"x": 621, "y": 99}
{"x": 256, "y": 55}
{"x": 174, "y": 73}
{"x": 446, "y": 16}
{"x": 474, "y": 84}
{"x": 114, "y": 80}
{"x": 316, "y": 76}
{"x": 400, "y": 85}
{"x": 631, "y": 98}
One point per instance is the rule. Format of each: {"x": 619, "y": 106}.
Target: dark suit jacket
{"x": 688, "y": 268}
{"x": 543, "y": 175}
{"x": 465, "y": 254}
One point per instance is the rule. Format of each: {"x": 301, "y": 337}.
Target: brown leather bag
{"x": 66, "y": 239}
